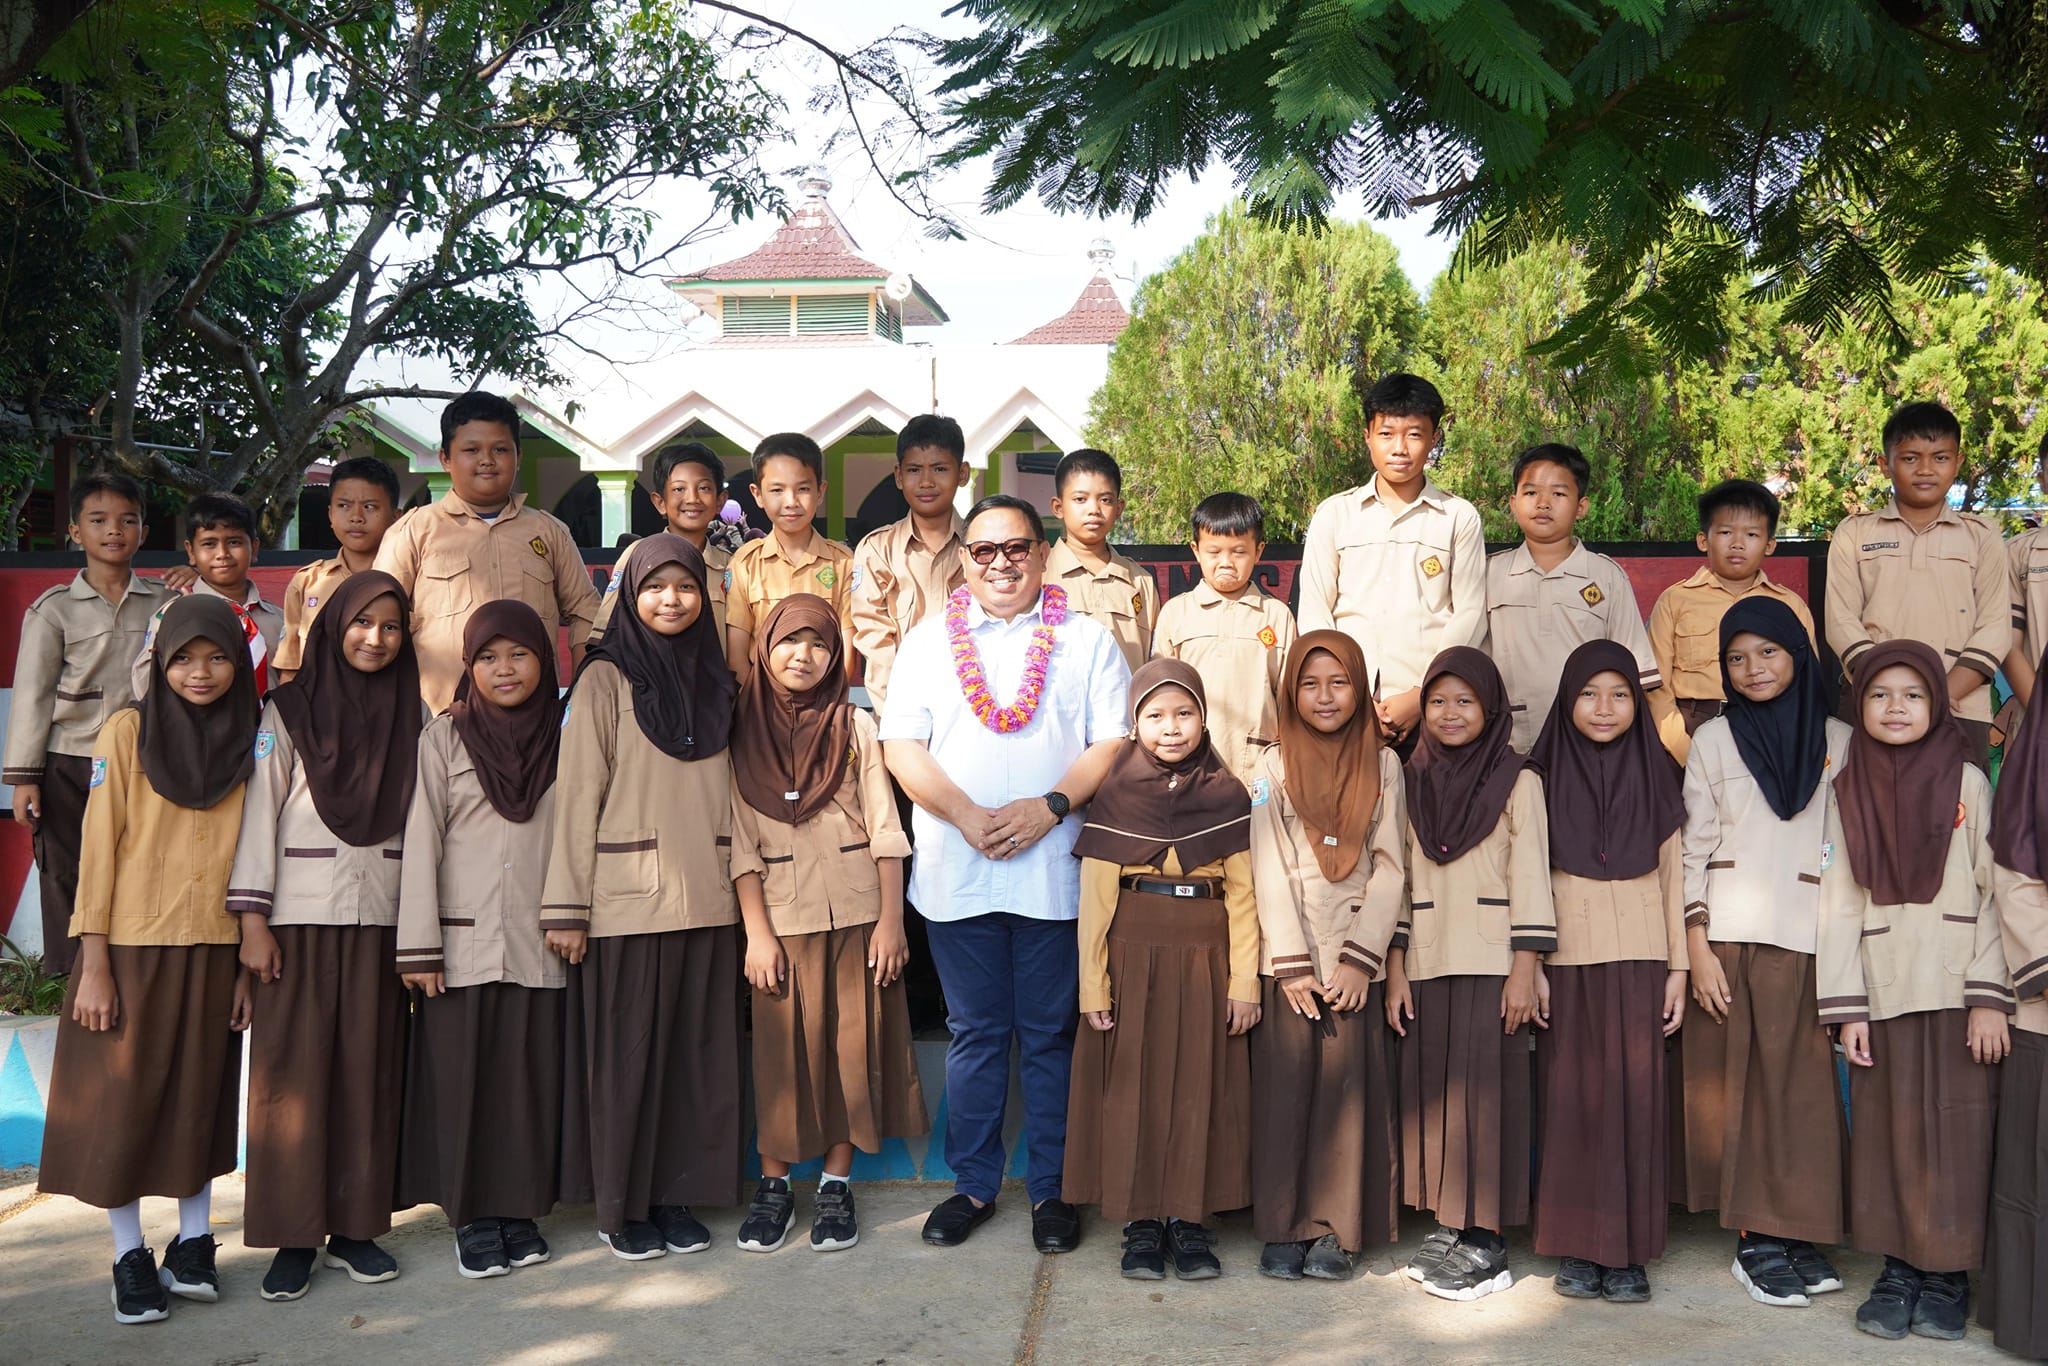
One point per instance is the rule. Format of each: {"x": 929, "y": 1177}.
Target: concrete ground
{"x": 890, "y": 1300}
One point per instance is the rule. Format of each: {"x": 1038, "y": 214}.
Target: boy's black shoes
{"x": 1283, "y": 1261}
{"x": 1943, "y": 1309}
{"x": 1579, "y": 1279}
{"x": 1815, "y": 1271}
{"x": 1431, "y": 1254}
{"x": 638, "y": 1241}
{"x": 1765, "y": 1270}
{"x": 189, "y": 1271}
{"x": 480, "y": 1250}
{"x": 681, "y": 1231}
{"x": 523, "y": 1244}
{"x": 290, "y": 1274}
{"x": 1625, "y": 1285}
{"x": 363, "y": 1260}
{"x": 138, "y": 1295}
{"x": 1055, "y": 1226}
{"x": 1144, "y": 1250}
{"x": 954, "y": 1218}
{"x": 1193, "y": 1259}
{"x": 1888, "y": 1313}
{"x": 834, "y": 1226}
{"x": 766, "y": 1226}
{"x": 1474, "y": 1269}
{"x": 1327, "y": 1260}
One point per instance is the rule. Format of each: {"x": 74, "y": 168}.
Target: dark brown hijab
{"x": 195, "y": 756}
{"x": 2019, "y": 814}
{"x": 1333, "y": 781}
{"x": 514, "y": 748}
{"x": 791, "y": 750}
{"x": 682, "y": 691}
{"x": 1145, "y": 807}
{"x": 1899, "y": 803}
{"x": 1456, "y": 795}
{"x": 1611, "y": 805}
{"x": 357, "y": 734}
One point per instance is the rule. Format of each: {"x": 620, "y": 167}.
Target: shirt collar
{"x": 1520, "y": 561}
{"x": 1206, "y": 596}
{"x": 978, "y": 617}
{"x": 251, "y": 599}
{"x": 1947, "y": 513}
{"x": 1705, "y": 577}
{"x": 85, "y": 592}
{"x": 454, "y": 507}
{"x": 1061, "y": 562}
{"x": 907, "y": 537}
{"x": 1369, "y": 492}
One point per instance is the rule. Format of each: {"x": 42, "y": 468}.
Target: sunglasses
{"x": 1013, "y": 552}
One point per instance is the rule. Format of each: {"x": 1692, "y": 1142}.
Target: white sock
{"x": 823, "y": 1177}
{"x": 193, "y": 1211}
{"x": 127, "y": 1222}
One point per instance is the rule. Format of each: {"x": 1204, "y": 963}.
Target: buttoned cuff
{"x": 1095, "y": 999}
{"x": 1245, "y": 990}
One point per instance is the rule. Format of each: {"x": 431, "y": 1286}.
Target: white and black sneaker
{"x": 766, "y": 1226}
{"x": 290, "y": 1274}
{"x": 1431, "y": 1254}
{"x": 138, "y": 1295}
{"x": 361, "y": 1258}
{"x": 189, "y": 1272}
{"x": 1816, "y": 1272}
{"x": 480, "y": 1250}
{"x": 638, "y": 1241}
{"x": 1765, "y": 1270}
{"x": 523, "y": 1244}
{"x": 681, "y": 1231}
{"x": 1473, "y": 1269}
{"x": 833, "y": 1225}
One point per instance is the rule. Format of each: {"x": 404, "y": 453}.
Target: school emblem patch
{"x": 266, "y": 741}
{"x": 565, "y": 716}
{"x": 853, "y": 580}
{"x": 725, "y": 584}
{"x": 312, "y": 602}
{"x": 1137, "y": 604}
{"x": 540, "y": 547}
{"x": 99, "y": 772}
{"x": 1261, "y": 791}
{"x": 827, "y": 577}
{"x": 1268, "y": 637}
{"x": 1432, "y": 567}
{"x": 1962, "y": 812}
{"x": 1827, "y": 855}
{"x": 1592, "y": 594}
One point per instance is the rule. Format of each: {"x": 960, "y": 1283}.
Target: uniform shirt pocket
{"x": 857, "y": 869}
{"x": 628, "y": 865}
{"x": 1958, "y": 943}
{"x": 1880, "y": 954}
{"x": 446, "y": 581}
{"x": 778, "y": 876}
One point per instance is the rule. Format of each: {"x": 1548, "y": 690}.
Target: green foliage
{"x": 25, "y": 988}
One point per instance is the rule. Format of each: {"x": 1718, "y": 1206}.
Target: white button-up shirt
{"x": 1087, "y": 700}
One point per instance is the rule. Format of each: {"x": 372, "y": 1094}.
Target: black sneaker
{"x": 1579, "y": 1279}
{"x": 1888, "y": 1313}
{"x": 1763, "y": 1268}
{"x": 1815, "y": 1271}
{"x": 1474, "y": 1269}
{"x": 1327, "y": 1260}
{"x": 1943, "y": 1310}
{"x": 681, "y": 1231}
{"x": 1144, "y": 1255}
{"x": 1431, "y": 1254}
{"x": 362, "y": 1259}
{"x": 138, "y": 1295}
{"x": 480, "y": 1250}
{"x": 523, "y": 1244}
{"x": 1193, "y": 1256}
{"x": 290, "y": 1274}
{"x": 1625, "y": 1285}
{"x": 638, "y": 1241}
{"x": 189, "y": 1271}
{"x": 1283, "y": 1261}
{"x": 833, "y": 1225}
{"x": 766, "y": 1226}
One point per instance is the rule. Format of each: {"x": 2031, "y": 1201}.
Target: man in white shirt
{"x": 995, "y": 770}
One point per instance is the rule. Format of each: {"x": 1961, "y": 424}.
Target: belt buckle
{"x": 1184, "y": 889}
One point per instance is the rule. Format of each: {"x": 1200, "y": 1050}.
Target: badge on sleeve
{"x": 1261, "y": 790}
{"x": 1962, "y": 813}
{"x": 1592, "y": 594}
{"x": 311, "y": 602}
{"x": 853, "y": 580}
{"x": 266, "y": 741}
{"x": 565, "y": 716}
{"x": 99, "y": 771}
{"x": 725, "y": 585}
{"x": 1137, "y": 604}
{"x": 1827, "y": 855}
{"x": 1432, "y": 567}
{"x": 540, "y": 547}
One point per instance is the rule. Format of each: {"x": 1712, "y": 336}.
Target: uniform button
{"x": 508, "y": 867}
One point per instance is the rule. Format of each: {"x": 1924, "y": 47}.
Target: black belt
{"x": 1202, "y": 888}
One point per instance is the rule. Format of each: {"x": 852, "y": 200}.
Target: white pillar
{"x": 615, "y": 504}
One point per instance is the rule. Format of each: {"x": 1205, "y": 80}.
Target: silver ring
{"x": 1013, "y": 841}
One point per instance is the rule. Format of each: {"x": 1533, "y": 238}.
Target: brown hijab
{"x": 1145, "y": 807}
{"x": 514, "y": 748}
{"x": 357, "y": 734}
{"x": 682, "y": 691}
{"x": 1456, "y": 795}
{"x": 1899, "y": 803}
{"x": 791, "y": 750}
{"x": 1333, "y": 781}
{"x": 1611, "y": 805}
{"x": 195, "y": 756}
{"x": 2019, "y": 816}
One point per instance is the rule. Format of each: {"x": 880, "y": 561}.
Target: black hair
{"x": 120, "y": 485}
{"x": 929, "y": 429}
{"x": 1230, "y": 514}
{"x": 1926, "y": 420}
{"x": 686, "y": 453}
{"x": 1739, "y": 495}
{"x": 369, "y": 470}
{"x": 212, "y": 510}
{"x": 1008, "y": 502}
{"x": 1569, "y": 458}
{"x": 1087, "y": 460}
{"x": 794, "y": 446}
{"x": 1404, "y": 395}
{"x": 478, "y": 406}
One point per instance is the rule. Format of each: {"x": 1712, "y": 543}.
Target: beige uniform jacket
{"x": 2022, "y": 904}
{"x": 2027, "y": 570}
{"x": 1685, "y": 636}
{"x": 716, "y": 559}
{"x": 1239, "y": 646}
{"x": 73, "y": 670}
{"x": 1101, "y": 884}
{"x": 1536, "y": 618}
{"x": 897, "y": 582}
{"x": 1469, "y": 917}
{"x": 761, "y": 573}
{"x": 1123, "y": 597}
{"x": 1625, "y": 920}
{"x": 312, "y": 585}
{"x": 1307, "y": 923}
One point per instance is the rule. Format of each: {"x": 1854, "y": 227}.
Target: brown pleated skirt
{"x": 1159, "y": 1110}
{"x": 832, "y": 1054}
{"x": 1465, "y": 1106}
{"x": 1764, "y": 1141}
{"x": 2012, "y": 1299}
{"x": 1922, "y": 1123}
{"x": 326, "y": 1079}
{"x": 1326, "y": 1142}
{"x": 1603, "y": 1173}
{"x": 651, "y": 1094}
{"x": 483, "y": 1102}
{"x": 149, "y": 1106}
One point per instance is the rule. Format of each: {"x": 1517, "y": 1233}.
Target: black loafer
{"x": 1283, "y": 1261}
{"x": 955, "y": 1217}
{"x": 1055, "y": 1226}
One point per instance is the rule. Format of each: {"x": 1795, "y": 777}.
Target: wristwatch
{"x": 1059, "y": 804}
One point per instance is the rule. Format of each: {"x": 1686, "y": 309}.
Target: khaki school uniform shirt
{"x": 1123, "y": 597}
{"x": 716, "y": 558}
{"x": 288, "y": 864}
{"x": 267, "y": 619}
{"x": 470, "y": 885}
{"x": 1468, "y": 917}
{"x": 1625, "y": 920}
{"x": 2026, "y": 557}
{"x": 150, "y": 871}
{"x": 1307, "y": 923}
{"x": 1101, "y": 885}
{"x": 640, "y": 840}
{"x": 1948, "y": 586}
{"x": 1536, "y": 618}
{"x": 2022, "y": 904}
{"x": 73, "y": 670}
{"x": 1239, "y": 646}
{"x": 1405, "y": 583}
{"x": 1880, "y": 962}
{"x": 312, "y": 585}
{"x": 821, "y": 874}
{"x": 898, "y": 581}
{"x": 450, "y": 562}
{"x": 1685, "y": 636}
{"x": 761, "y": 574}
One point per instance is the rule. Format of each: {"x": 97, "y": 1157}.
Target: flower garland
{"x": 1037, "y": 662}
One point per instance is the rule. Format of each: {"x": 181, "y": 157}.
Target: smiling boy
{"x": 789, "y": 484}
{"x": 688, "y": 483}
{"x": 220, "y": 545}
{"x": 362, "y": 503}
{"x": 903, "y": 572}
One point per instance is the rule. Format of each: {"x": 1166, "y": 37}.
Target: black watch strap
{"x": 1059, "y": 805}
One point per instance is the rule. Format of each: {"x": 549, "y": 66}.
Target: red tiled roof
{"x": 1096, "y": 319}
{"x": 811, "y": 245}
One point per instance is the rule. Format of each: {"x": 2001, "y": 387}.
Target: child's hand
{"x": 179, "y": 578}
{"x": 767, "y": 966}
{"x": 1399, "y": 713}
{"x": 1522, "y": 1002}
{"x": 1674, "y": 1002}
{"x": 96, "y": 1004}
{"x": 432, "y": 983}
{"x": 1856, "y": 1045}
{"x": 569, "y": 945}
{"x": 1346, "y": 990}
{"x": 245, "y": 1004}
{"x": 1990, "y": 1038}
{"x": 1100, "y": 1021}
{"x": 28, "y": 805}
{"x": 888, "y": 951}
{"x": 1241, "y": 1016}
{"x": 261, "y": 956}
{"x": 1709, "y": 978}
{"x": 1400, "y": 1000}
{"x": 1300, "y": 993}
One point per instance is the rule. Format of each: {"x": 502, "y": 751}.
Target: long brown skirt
{"x": 326, "y": 1079}
{"x": 1465, "y": 1106}
{"x": 2012, "y": 1299}
{"x": 1764, "y": 1142}
{"x": 1159, "y": 1119}
{"x": 1603, "y": 1119}
{"x": 832, "y": 1055}
{"x": 483, "y": 1103}
{"x": 1922, "y": 1122}
{"x": 1326, "y": 1143}
{"x": 651, "y": 1095}
{"x": 149, "y": 1106}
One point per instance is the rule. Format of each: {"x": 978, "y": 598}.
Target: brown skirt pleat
{"x": 1465, "y": 1106}
{"x": 326, "y": 1079}
{"x": 483, "y": 1102}
{"x": 832, "y": 1054}
{"x": 1326, "y": 1142}
{"x": 1603, "y": 1175}
{"x": 1922, "y": 1122}
{"x": 1159, "y": 1111}
{"x": 148, "y": 1107}
{"x": 2012, "y": 1299}
{"x": 1764, "y": 1140}
{"x": 651, "y": 1095}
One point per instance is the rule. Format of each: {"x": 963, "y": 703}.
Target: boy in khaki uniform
{"x": 688, "y": 481}
{"x": 362, "y": 503}
{"x": 1116, "y": 591}
{"x": 789, "y": 484}
{"x": 220, "y": 545}
{"x": 903, "y": 572}
{"x": 2027, "y": 562}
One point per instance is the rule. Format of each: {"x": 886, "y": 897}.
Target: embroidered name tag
{"x": 791, "y": 796}
{"x": 99, "y": 772}
{"x": 266, "y": 741}
{"x": 1330, "y": 840}
{"x": 1880, "y": 545}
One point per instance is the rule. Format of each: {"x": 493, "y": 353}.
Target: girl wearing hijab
{"x": 1464, "y": 976}
{"x": 482, "y": 1133}
{"x": 1617, "y": 979}
{"x": 1912, "y": 969}
{"x": 1159, "y": 1115}
{"x": 638, "y": 900}
{"x": 146, "y": 1082}
{"x": 315, "y": 883}
{"x": 1330, "y": 866}
{"x": 1763, "y": 1128}
{"x": 817, "y": 861}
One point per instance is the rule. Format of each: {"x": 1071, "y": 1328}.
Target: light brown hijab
{"x": 1333, "y": 781}
{"x": 791, "y": 750}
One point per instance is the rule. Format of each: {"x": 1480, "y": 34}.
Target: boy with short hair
{"x": 687, "y": 487}
{"x": 362, "y": 504}
{"x": 1550, "y": 595}
{"x": 220, "y": 544}
{"x": 1115, "y": 590}
{"x": 1738, "y": 532}
{"x": 480, "y": 542}
{"x": 904, "y": 572}
{"x": 71, "y": 673}
{"x": 1919, "y": 570}
{"x": 2027, "y": 562}
{"x": 1234, "y": 633}
{"x": 1397, "y": 563}
{"x": 789, "y": 484}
